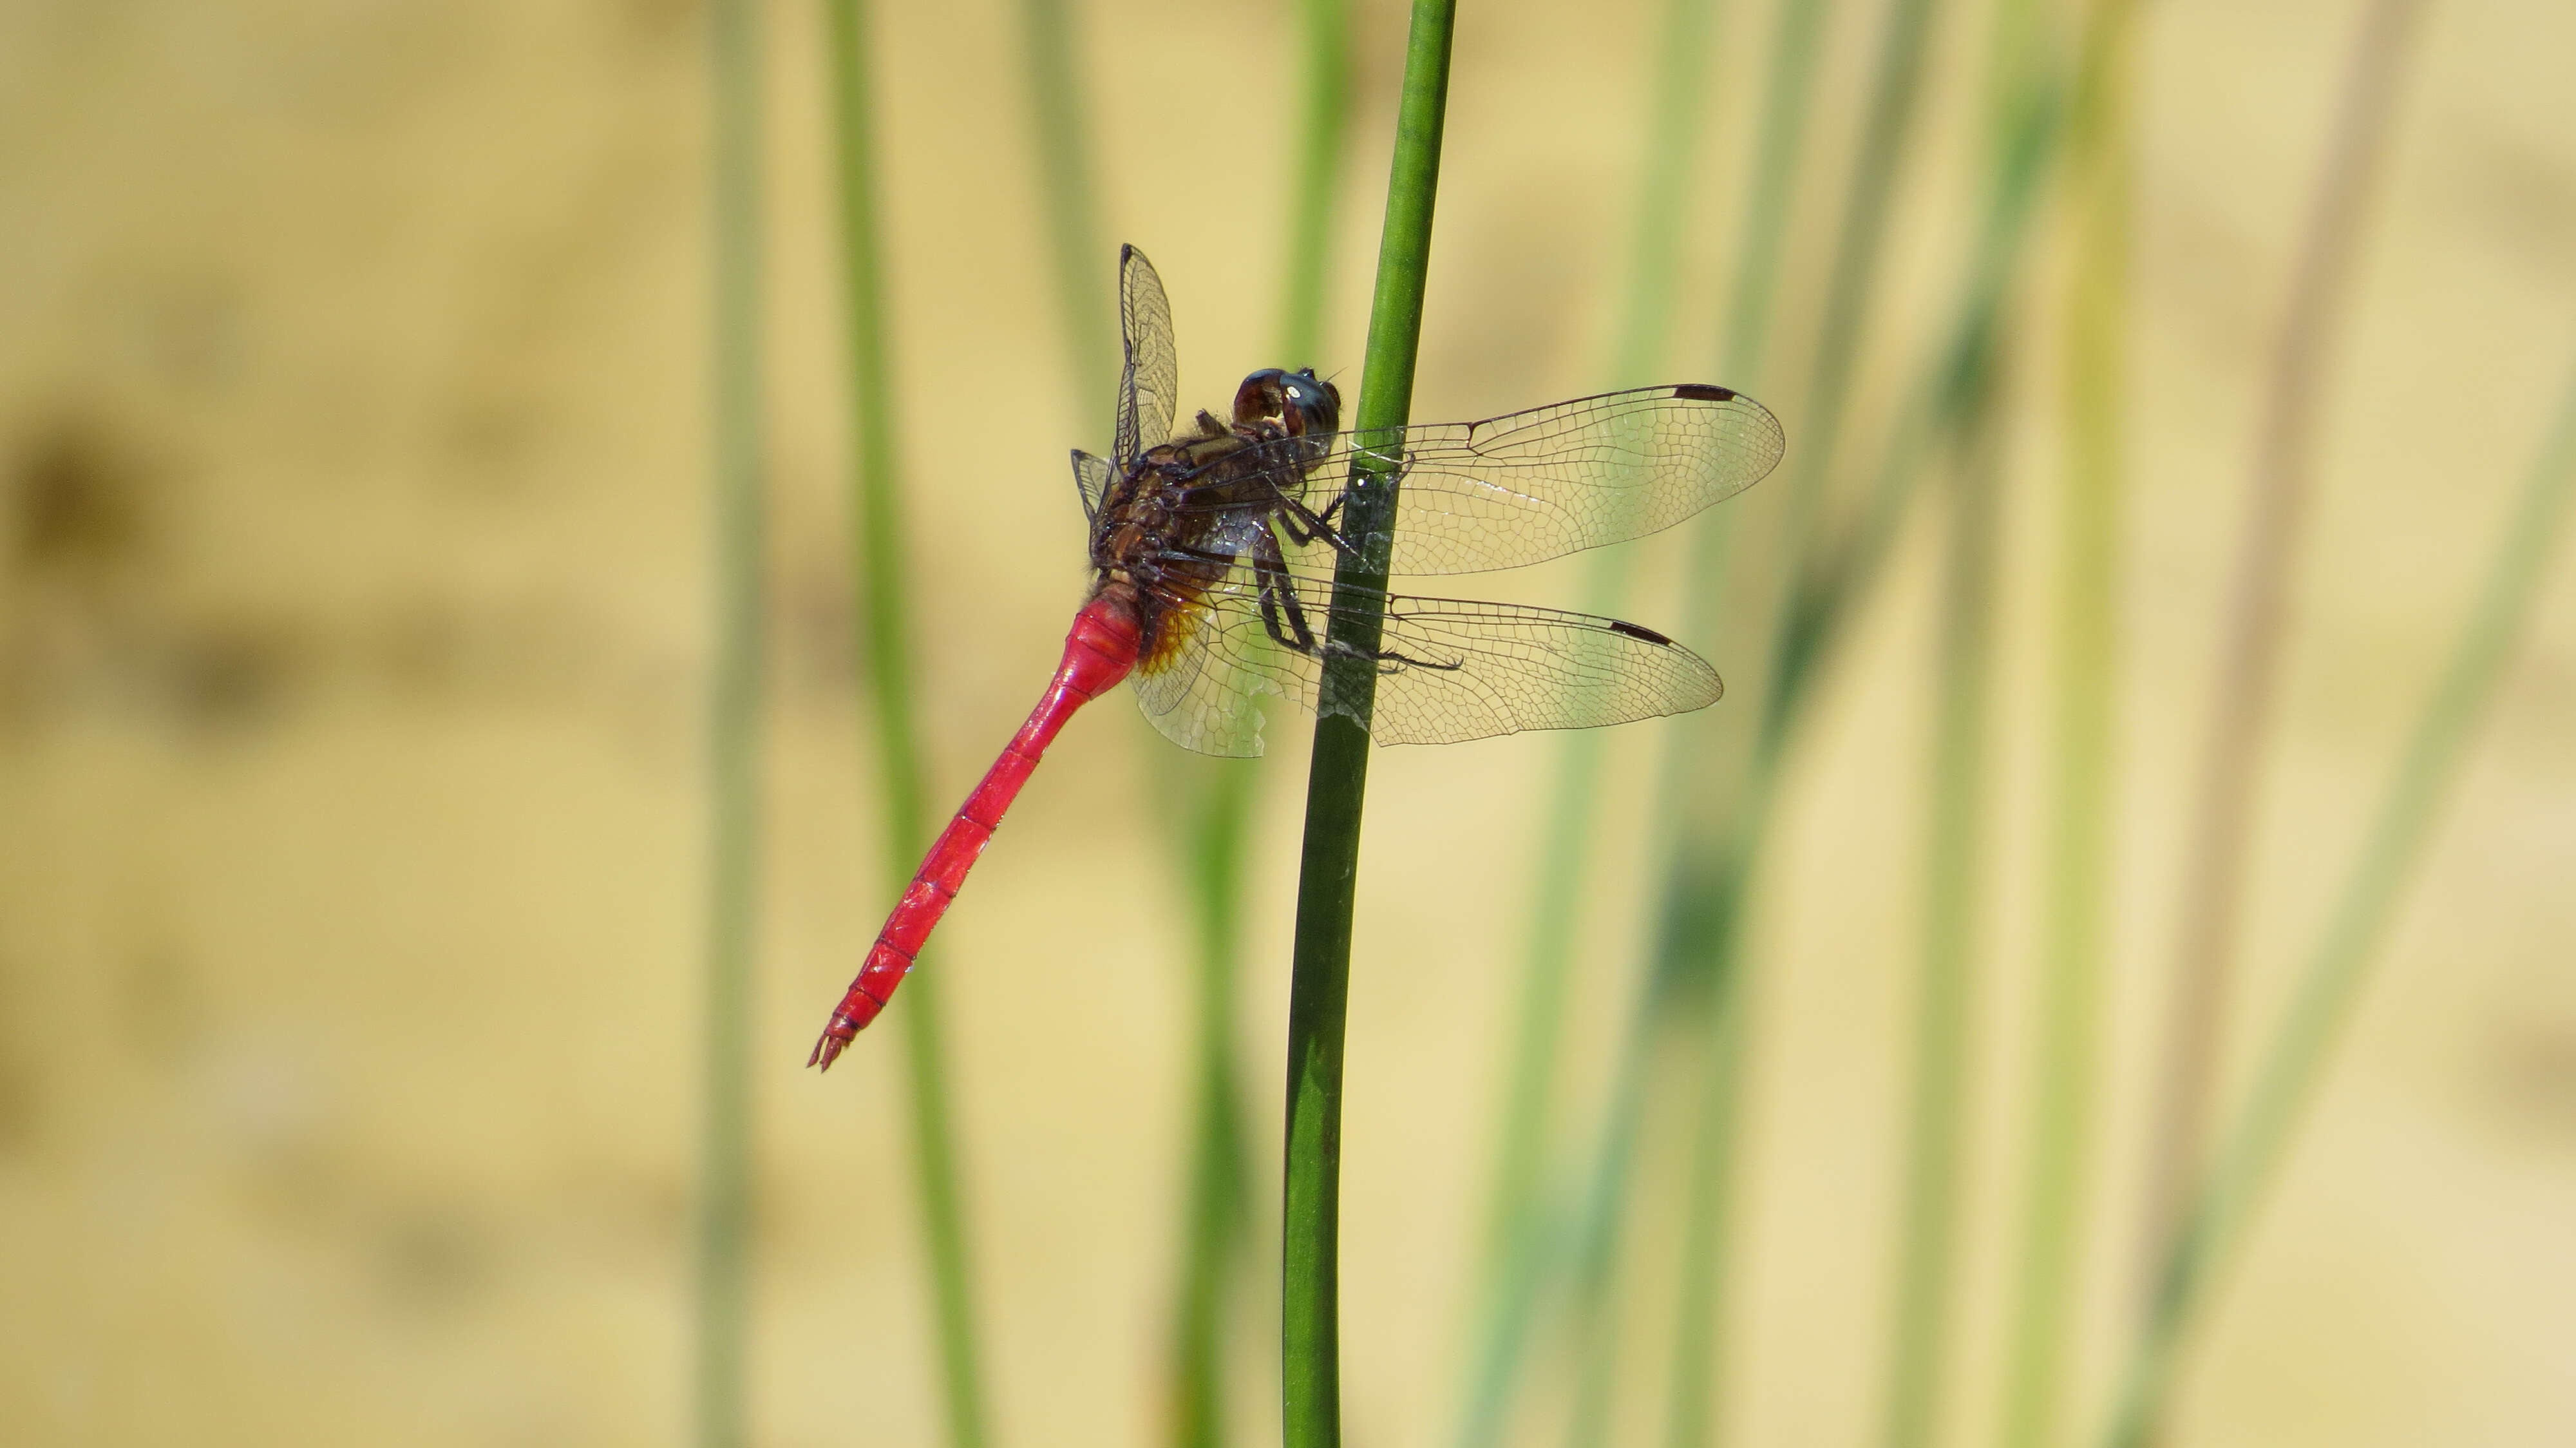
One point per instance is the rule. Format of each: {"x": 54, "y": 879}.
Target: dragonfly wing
{"x": 1534, "y": 485}
{"x": 1529, "y": 486}
{"x": 1091, "y": 478}
{"x": 1201, "y": 690}
{"x": 1149, "y": 386}
{"x": 1453, "y": 669}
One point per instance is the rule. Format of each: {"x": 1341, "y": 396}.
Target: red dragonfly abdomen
{"x": 1100, "y": 651}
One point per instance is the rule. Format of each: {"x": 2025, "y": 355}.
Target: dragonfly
{"x": 1213, "y": 553}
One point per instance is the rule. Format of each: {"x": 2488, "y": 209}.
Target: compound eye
{"x": 1260, "y": 396}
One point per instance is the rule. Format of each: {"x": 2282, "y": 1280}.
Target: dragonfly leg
{"x": 1388, "y": 660}
{"x": 1304, "y": 525}
{"x": 1283, "y": 615}
{"x": 1278, "y": 597}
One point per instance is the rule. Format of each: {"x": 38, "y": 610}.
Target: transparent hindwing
{"x": 1448, "y": 670}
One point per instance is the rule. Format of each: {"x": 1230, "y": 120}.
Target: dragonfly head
{"x": 1300, "y": 402}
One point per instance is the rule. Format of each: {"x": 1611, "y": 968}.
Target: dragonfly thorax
{"x": 1185, "y": 511}
{"x": 1175, "y": 494}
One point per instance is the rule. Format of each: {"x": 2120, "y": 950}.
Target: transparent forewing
{"x": 1091, "y": 478}
{"x": 1450, "y": 669}
{"x": 1530, "y": 486}
{"x": 1149, "y": 386}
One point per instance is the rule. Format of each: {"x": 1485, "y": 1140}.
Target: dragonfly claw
{"x": 828, "y": 1049}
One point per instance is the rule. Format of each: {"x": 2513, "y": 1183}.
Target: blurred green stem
{"x": 1329, "y": 865}
{"x": 1217, "y": 1171}
{"x": 1718, "y": 838}
{"x": 1066, "y": 179}
{"x": 1223, "y": 839}
{"x": 2338, "y": 965}
{"x": 1705, "y": 884}
{"x": 1672, "y": 132}
{"x": 1954, "y": 844}
{"x": 1836, "y": 575}
{"x": 2066, "y": 1026}
{"x": 1788, "y": 95}
{"x": 883, "y": 631}
{"x": 733, "y": 729}
{"x": 1853, "y": 280}
{"x": 1700, "y": 763}
{"x": 1954, "y": 859}
{"x": 1823, "y": 583}
{"x": 1324, "y": 26}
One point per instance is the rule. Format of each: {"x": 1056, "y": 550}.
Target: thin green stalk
{"x": 1700, "y": 762}
{"x": 1837, "y": 574}
{"x": 1707, "y": 991}
{"x": 1691, "y": 1395}
{"x": 1683, "y": 61}
{"x": 1705, "y": 886}
{"x": 1954, "y": 865}
{"x": 943, "y": 1209}
{"x": 2338, "y": 966}
{"x": 1853, "y": 281}
{"x": 1822, "y": 585}
{"x": 1954, "y": 844}
{"x": 1706, "y": 882}
{"x": 2067, "y": 1026}
{"x": 1324, "y": 117}
{"x": 1709, "y": 882}
{"x": 733, "y": 731}
{"x": 1674, "y": 127}
{"x": 1215, "y": 1208}
{"x": 1319, "y": 988}
{"x": 1600, "y": 1237}
{"x": 1222, "y": 841}
{"x": 1672, "y": 132}
{"x": 2257, "y": 617}
{"x": 1797, "y": 39}
{"x": 1060, "y": 125}
{"x": 883, "y": 631}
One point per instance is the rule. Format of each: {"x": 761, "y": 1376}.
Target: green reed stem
{"x": 1066, "y": 178}
{"x": 1328, "y": 874}
{"x": 2067, "y": 1027}
{"x": 883, "y": 631}
{"x": 1797, "y": 39}
{"x": 733, "y": 731}
{"x": 1223, "y": 838}
{"x": 1706, "y": 887}
{"x": 1954, "y": 844}
{"x": 1674, "y": 126}
{"x": 1673, "y": 129}
{"x": 2338, "y": 965}
{"x": 1217, "y": 1173}
{"x": 1821, "y": 584}
{"x": 1708, "y": 877}
{"x": 1717, "y": 846}
{"x": 1838, "y": 574}
{"x": 1323, "y": 119}
{"x": 1704, "y": 758}
{"x": 1854, "y": 278}
{"x": 1954, "y": 851}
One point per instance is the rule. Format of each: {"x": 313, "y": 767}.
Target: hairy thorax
{"x": 1170, "y": 528}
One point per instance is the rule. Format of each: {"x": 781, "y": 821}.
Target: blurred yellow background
{"x": 354, "y": 623}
